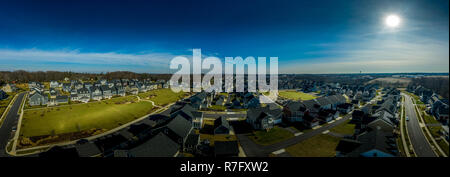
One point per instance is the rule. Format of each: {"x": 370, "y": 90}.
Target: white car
{"x": 407, "y": 118}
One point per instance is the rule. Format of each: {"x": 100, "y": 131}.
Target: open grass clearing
{"x": 321, "y": 145}
{"x": 274, "y": 135}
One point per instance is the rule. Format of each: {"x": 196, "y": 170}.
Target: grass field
{"x": 317, "y": 146}
{"x": 294, "y": 95}
{"x": 345, "y": 128}
{"x": 105, "y": 114}
{"x": 162, "y": 96}
{"x": 273, "y": 136}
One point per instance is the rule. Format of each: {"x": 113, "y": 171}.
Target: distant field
{"x": 391, "y": 81}
{"x": 294, "y": 95}
{"x": 106, "y": 114}
{"x": 317, "y": 146}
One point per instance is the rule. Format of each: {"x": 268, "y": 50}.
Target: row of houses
{"x": 312, "y": 112}
{"x": 375, "y": 129}
{"x": 84, "y": 92}
{"x": 438, "y": 107}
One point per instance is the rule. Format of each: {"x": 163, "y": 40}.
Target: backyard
{"x": 317, "y": 146}
{"x": 345, "y": 128}
{"x": 274, "y": 135}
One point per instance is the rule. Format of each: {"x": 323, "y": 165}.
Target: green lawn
{"x": 318, "y": 146}
{"x": 272, "y": 136}
{"x": 217, "y": 107}
{"x": 294, "y": 95}
{"x": 162, "y": 96}
{"x": 345, "y": 128}
{"x": 66, "y": 119}
{"x": 429, "y": 119}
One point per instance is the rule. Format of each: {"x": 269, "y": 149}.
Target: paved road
{"x": 8, "y": 123}
{"x": 255, "y": 150}
{"x": 418, "y": 139}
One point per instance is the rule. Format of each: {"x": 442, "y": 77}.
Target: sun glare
{"x": 392, "y": 21}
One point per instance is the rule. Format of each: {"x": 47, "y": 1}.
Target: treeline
{"x": 438, "y": 85}
{"x": 21, "y": 76}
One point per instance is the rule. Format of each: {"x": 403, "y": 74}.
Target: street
{"x": 8, "y": 123}
{"x": 417, "y": 137}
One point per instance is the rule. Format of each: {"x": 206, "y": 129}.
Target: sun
{"x": 392, "y": 21}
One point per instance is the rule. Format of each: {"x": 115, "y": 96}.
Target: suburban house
{"x": 178, "y": 129}
{"x": 345, "y": 108}
{"x": 53, "y": 93}
{"x": 192, "y": 141}
{"x": 74, "y": 97}
{"x": 221, "y": 126}
{"x": 66, "y": 87}
{"x": 275, "y": 111}
{"x": 32, "y": 85}
{"x": 83, "y": 92}
{"x": 132, "y": 89}
{"x": 61, "y": 99}
{"x": 37, "y": 98}
{"x": 9, "y": 88}
{"x": 118, "y": 90}
{"x": 375, "y": 143}
{"x": 310, "y": 121}
{"x": 258, "y": 119}
{"x": 96, "y": 93}
{"x": 106, "y": 92}
{"x": 54, "y": 84}
{"x": 294, "y": 111}
{"x": 158, "y": 146}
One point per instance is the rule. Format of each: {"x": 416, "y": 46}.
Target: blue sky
{"x": 143, "y": 36}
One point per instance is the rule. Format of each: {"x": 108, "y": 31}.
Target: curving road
{"x": 7, "y": 125}
{"x": 417, "y": 137}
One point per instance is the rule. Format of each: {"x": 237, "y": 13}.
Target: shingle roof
{"x": 87, "y": 150}
{"x": 180, "y": 126}
{"x": 158, "y": 146}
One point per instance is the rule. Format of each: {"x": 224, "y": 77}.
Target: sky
{"x": 336, "y": 36}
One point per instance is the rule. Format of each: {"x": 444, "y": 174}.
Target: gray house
{"x": 37, "y": 99}
{"x": 106, "y": 91}
{"x": 96, "y": 93}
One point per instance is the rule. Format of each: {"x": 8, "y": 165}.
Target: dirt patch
{"x": 28, "y": 142}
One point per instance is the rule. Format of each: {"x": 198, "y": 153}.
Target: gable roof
{"x": 158, "y": 146}
{"x": 180, "y": 126}
{"x": 256, "y": 114}
{"x": 221, "y": 121}
{"x": 88, "y": 149}
{"x": 375, "y": 139}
